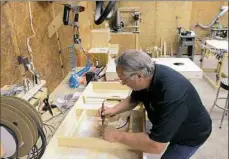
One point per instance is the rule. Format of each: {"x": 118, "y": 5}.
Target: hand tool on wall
{"x": 30, "y": 67}
{"x": 74, "y": 9}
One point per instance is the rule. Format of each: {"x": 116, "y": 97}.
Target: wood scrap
{"x": 171, "y": 53}
{"x": 161, "y": 48}
{"x": 164, "y": 49}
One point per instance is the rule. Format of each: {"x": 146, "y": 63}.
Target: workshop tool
{"x": 47, "y": 106}
{"x": 186, "y": 43}
{"x": 22, "y": 127}
{"x": 74, "y": 80}
{"x": 102, "y": 13}
{"x": 74, "y": 9}
{"x": 94, "y": 75}
{"x": 30, "y": 67}
{"x": 120, "y": 24}
{"x": 224, "y": 10}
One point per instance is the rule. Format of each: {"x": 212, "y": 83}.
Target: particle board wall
{"x": 15, "y": 28}
{"x": 161, "y": 18}
{"x": 147, "y": 25}
{"x": 170, "y": 15}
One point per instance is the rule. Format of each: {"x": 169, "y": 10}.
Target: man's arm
{"x": 138, "y": 141}
{"x": 123, "y": 106}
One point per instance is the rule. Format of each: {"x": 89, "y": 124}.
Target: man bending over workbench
{"x": 172, "y": 103}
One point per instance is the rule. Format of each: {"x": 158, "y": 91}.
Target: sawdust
{"x": 92, "y": 126}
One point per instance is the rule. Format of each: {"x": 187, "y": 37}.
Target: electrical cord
{"x": 38, "y": 153}
{"x": 62, "y": 113}
{"x": 41, "y": 150}
{"x": 51, "y": 128}
{"x": 127, "y": 120}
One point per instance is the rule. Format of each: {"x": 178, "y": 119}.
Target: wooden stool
{"x": 224, "y": 85}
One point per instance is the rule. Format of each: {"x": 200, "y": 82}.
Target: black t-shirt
{"x": 174, "y": 108}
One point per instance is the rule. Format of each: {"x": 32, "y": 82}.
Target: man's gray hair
{"x": 135, "y": 61}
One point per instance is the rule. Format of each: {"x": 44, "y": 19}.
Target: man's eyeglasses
{"x": 127, "y": 78}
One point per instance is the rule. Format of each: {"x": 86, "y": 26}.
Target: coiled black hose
{"x": 102, "y": 14}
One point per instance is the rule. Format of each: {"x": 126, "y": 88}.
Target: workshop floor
{"x": 216, "y": 147}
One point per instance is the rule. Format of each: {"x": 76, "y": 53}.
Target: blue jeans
{"x": 179, "y": 152}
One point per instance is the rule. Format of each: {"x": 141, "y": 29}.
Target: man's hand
{"x": 108, "y": 112}
{"x": 111, "y": 134}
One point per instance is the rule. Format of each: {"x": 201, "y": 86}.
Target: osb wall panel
{"x": 15, "y": 28}
{"x": 147, "y": 25}
{"x": 204, "y": 13}
{"x": 44, "y": 50}
{"x": 159, "y": 20}
{"x": 170, "y": 15}
{"x": 125, "y": 41}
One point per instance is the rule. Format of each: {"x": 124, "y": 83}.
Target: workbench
{"x": 185, "y": 66}
{"x": 104, "y": 89}
{"x": 62, "y": 89}
{"x": 209, "y": 51}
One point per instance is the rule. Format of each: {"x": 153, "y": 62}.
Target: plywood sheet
{"x": 125, "y": 40}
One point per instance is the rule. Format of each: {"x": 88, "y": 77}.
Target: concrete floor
{"x": 216, "y": 147}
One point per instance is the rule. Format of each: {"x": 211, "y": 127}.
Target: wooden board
{"x": 126, "y": 40}
{"x": 188, "y": 68}
{"x": 28, "y": 95}
{"x": 99, "y": 54}
{"x": 97, "y": 92}
{"x": 87, "y": 130}
{"x": 55, "y": 24}
{"x": 100, "y": 38}
{"x": 113, "y": 50}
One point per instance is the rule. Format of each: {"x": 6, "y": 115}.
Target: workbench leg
{"x": 202, "y": 58}
{"x": 219, "y": 70}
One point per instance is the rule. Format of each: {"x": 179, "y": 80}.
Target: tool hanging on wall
{"x": 30, "y": 67}
{"x": 74, "y": 80}
{"x": 74, "y": 9}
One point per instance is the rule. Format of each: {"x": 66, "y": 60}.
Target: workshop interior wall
{"x": 204, "y": 12}
{"x": 159, "y": 20}
{"x": 15, "y": 29}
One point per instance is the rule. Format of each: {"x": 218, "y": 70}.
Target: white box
{"x": 189, "y": 69}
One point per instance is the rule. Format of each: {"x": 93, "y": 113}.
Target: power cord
{"x": 127, "y": 120}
